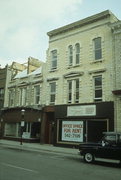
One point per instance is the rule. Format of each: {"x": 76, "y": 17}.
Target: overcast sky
{"x": 24, "y": 24}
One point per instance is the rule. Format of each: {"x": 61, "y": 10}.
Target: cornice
{"x": 80, "y": 23}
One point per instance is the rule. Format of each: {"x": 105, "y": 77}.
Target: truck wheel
{"x": 88, "y": 157}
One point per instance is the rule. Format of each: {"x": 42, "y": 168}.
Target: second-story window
{"x": 52, "y": 92}
{"x": 77, "y": 49}
{"x": 70, "y": 55}
{"x": 1, "y": 97}
{"x": 37, "y": 94}
{"x": 53, "y": 59}
{"x": 97, "y": 48}
{"x": 98, "y": 88}
{"x": 23, "y": 96}
{"x": 11, "y": 97}
{"x": 73, "y": 91}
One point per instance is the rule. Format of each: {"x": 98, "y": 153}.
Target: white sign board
{"x": 72, "y": 131}
{"x": 85, "y": 110}
{"x": 26, "y": 135}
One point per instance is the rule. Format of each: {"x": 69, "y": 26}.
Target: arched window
{"x": 77, "y": 49}
{"x": 70, "y": 55}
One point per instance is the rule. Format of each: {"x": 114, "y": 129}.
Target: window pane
{"x": 52, "y": 85}
{"x": 98, "y": 54}
{"x": 98, "y": 81}
{"x": 98, "y": 93}
{"x": 97, "y": 43}
{"x": 77, "y": 47}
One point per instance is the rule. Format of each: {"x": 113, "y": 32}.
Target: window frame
{"x": 52, "y": 92}
{"x": 37, "y": 94}
{"x": 77, "y": 53}
{"x": 11, "y": 97}
{"x": 23, "y": 93}
{"x": 70, "y": 55}
{"x": 97, "y": 48}
{"x": 73, "y": 91}
{"x": 98, "y": 89}
{"x": 54, "y": 59}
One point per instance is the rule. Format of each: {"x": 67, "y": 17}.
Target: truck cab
{"x": 109, "y": 147}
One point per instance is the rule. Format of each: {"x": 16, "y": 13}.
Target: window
{"x": 77, "y": 48}
{"x": 23, "y": 96}
{"x": 77, "y": 91}
{"x": 69, "y": 91}
{"x": 37, "y": 94}
{"x": 1, "y": 93}
{"x": 53, "y": 59}
{"x": 97, "y": 48}
{"x": 52, "y": 92}
{"x": 11, "y": 97}
{"x": 1, "y": 97}
{"x": 70, "y": 54}
{"x": 73, "y": 91}
{"x": 98, "y": 88}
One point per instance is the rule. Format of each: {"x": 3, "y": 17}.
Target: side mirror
{"x": 103, "y": 143}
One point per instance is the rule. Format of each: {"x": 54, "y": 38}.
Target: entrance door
{"x": 95, "y": 128}
{"x": 49, "y": 129}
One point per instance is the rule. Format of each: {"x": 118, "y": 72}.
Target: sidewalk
{"x": 37, "y": 147}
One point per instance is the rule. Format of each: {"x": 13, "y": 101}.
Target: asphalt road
{"x": 25, "y": 165}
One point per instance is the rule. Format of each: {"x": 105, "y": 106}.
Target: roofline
{"x": 80, "y": 23}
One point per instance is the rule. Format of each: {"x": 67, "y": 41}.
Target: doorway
{"x": 95, "y": 129}
{"x": 49, "y": 128}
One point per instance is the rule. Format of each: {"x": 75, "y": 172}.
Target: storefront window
{"x": 30, "y": 130}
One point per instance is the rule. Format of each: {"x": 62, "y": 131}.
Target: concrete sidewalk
{"x": 37, "y": 147}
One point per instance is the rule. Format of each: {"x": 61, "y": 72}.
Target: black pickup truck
{"x": 108, "y": 148}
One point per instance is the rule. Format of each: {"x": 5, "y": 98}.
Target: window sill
{"x": 97, "y": 61}
{"x": 53, "y": 70}
{"x": 73, "y": 66}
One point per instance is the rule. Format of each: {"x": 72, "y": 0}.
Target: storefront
{"x": 82, "y": 122}
{"x": 17, "y": 124}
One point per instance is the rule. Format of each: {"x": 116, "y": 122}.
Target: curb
{"x": 35, "y": 149}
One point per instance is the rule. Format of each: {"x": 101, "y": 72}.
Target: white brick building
{"x": 79, "y": 78}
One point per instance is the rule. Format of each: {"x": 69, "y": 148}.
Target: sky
{"x": 24, "y": 24}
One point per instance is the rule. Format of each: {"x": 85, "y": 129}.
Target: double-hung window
{"x": 23, "y": 96}
{"x": 11, "y": 98}
{"x": 73, "y": 91}
{"x": 37, "y": 94}
{"x": 98, "y": 88}
{"x": 97, "y": 48}
{"x": 52, "y": 92}
{"x": 53, "y": 59}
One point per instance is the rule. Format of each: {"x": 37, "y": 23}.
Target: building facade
{"x": 116, "y": 31}
{"x": 76, "y": 94}
{"x": 23, "y": 95}
{"x": 79, "y": 82}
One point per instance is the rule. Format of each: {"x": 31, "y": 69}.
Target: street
{"x": 26, "y": 165}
